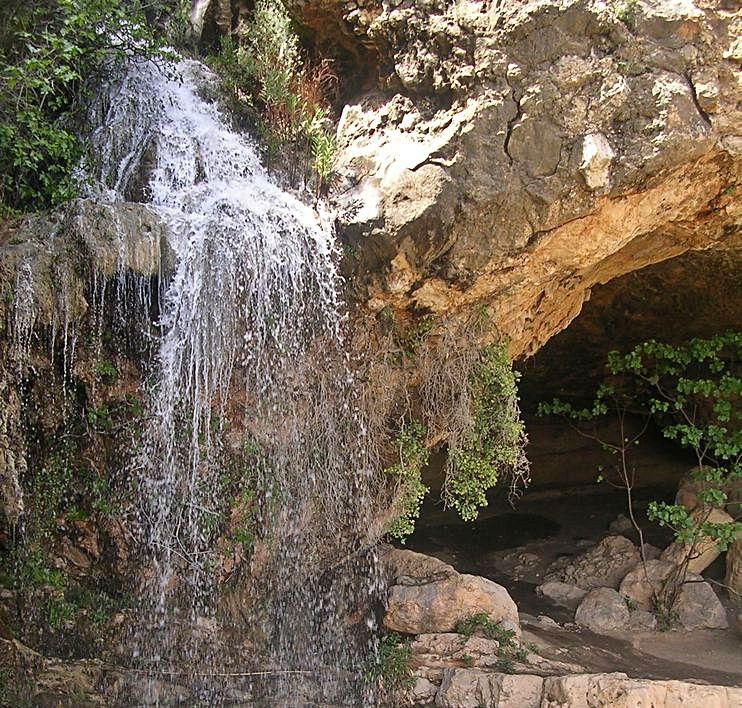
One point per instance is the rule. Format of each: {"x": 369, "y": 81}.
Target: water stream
{"x": 252, "y": 407}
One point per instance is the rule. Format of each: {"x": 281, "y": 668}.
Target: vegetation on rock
{"x": 509, "y": 650}
{"x": 390, "y": 666}
{"x": 413, "y": 456}
{"x": 51, "y": 53}
{"x": 268, "y": 80}
{"x": 493, "y": 444}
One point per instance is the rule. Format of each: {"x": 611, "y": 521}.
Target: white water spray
{"x": 251, "y": 342}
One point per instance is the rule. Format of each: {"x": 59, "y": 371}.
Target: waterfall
{"x": 252, "y": 407}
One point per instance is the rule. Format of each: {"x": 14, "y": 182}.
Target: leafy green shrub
{"x": 50, "y": 52}
{"x": 413, "y": 456}
{"x": 692, "y": 390}
{"x": 482, "y": 624}
{"x": 390, "y": 666}
{"x": 493, "y": 445}
{"x": 267, "y": 80}
{"x": 106, "y": 371}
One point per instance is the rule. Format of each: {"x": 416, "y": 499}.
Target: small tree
{"x": 692, "y": 391}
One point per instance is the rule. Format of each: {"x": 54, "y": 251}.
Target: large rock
{"x": 604, "y": 565}
{"x": 445, "y": 649}
{"x": 643, "y": 581}
{"x": 440, "y": 605}
{"x": 733, "y": 579}
{"x": 697, "y": 605}
{"x": 410, "y": 568}
{"x": 620, "y": 691}
{"x": 470, "y": 688}
{"x": 486, "y": 172}
{"x": 705, "y": 551}
{"x": 564, "y": 594}
{"x": 603, "y": 610}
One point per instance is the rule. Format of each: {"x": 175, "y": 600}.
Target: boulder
{"x": 471, "y": 688}
{"x": 651, "y": 552}
{"x": 448, "y": 649}
{"x": 642, "y": 621}
{"x": 620, "y": 525}
{"x": 620, "y": 691}
{"x": 603, "y": 610}
{"x": 697, "y": 605}
{"x": 642, "y": 580}
{"x": 733, "y": 579}
{"x": 705, "y": 551}
{"x": 408, "y": 567}
{"x": 563, "y": 594}
{"x": 604, "y": 565}
{"x": 422, "y": 691}
{"x": 438, "y": 606}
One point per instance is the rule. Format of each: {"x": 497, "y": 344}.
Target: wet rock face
{"x": 523, "y": 152}
{"x": 78, "y": 298}
{"x": 54, "y": 271}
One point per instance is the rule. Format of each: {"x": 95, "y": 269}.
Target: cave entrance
{"x": 566, "y": 509}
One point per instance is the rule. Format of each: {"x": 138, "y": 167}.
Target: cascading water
{"x": 251, "y": 367}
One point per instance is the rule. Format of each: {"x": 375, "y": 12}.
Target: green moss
{"x": 509, "y": 650}
{"x": 106, "y": 372}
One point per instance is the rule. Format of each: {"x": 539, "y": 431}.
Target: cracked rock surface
{"x": 514, "y": 155}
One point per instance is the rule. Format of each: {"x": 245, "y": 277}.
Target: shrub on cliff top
{"x": 286, "y": 97}
{"x": 49, "y": 53}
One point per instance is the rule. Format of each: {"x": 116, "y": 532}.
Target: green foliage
{"x": 480, "y": 623}
{"x": 626, "y": 12}
{"x": 35, "y": 572}
{"x": 494, "y": 444}
{"x": 413, "y": 456}
{"x": 59, "y": 612}
{"x": 245, "y": 532}
{"x": 692, "y": 390}
{"x": 267, "y": 80}
{"x": 99, "y": 418}
{"x": 51, "y": 488}
{"x": 106, "y": 371}
{"x": 49, "y": 52}
{"x": 509, "y": 650}
{"x": 391, "y": 664}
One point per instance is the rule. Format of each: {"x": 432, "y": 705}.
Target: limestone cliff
{"x": 516, "y": 154}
